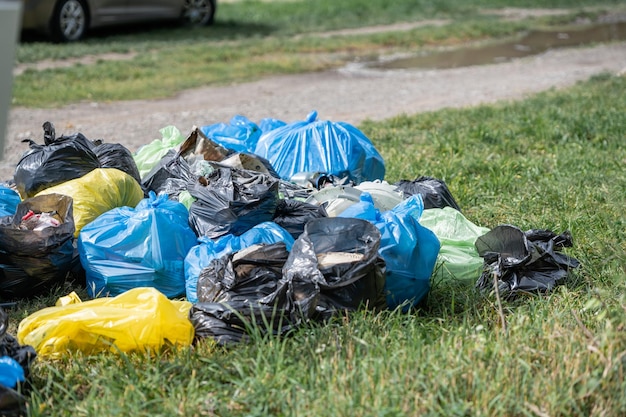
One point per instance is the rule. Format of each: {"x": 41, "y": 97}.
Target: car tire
{"x": 199, "y": 12}
{"x": 70, "y": 21}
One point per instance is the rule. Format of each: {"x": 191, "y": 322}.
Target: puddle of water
{"x": 533, "y": 43}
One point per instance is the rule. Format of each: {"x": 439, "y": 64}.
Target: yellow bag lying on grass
{"x": 97, "y": 192}
{"x": 141, "y": 319}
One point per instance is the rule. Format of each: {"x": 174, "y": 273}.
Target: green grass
{"x": 553, "y": 161}
{"x": 169, "y": 59}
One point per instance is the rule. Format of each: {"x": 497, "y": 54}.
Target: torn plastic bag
{"x": 57, "y": 161}
{"x": 336, "y": 148}
{"x": 408, "y": 248}
{"x": 458, "y": 259}
{"x": 15, "y": 362}
{"x": 240, "y": 134}
{"x": 232, "y": 201}
{"x": 249, "y": 162}
{"x": 97, "y": 192}
{"x": 201, "y": 255}
{"x": 340, "y": 255}
{"x": 36, "y": 255}
{"x": 434, "y": 192}
{"x": 127, "y": 248}
{"x": 141, "y": 319}
{"x": 171, "y": 175}
{"x": 9, "y": 199}
{"x": 147, "y": 156}
{"x": 529, "y": 261}
{"x": 115, "y": 155}
{"x": 246, "y": 292}
{"x": 293, "y": 215}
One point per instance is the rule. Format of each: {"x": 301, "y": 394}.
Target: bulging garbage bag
{"x": 144, "y": 246}
{"x": 530, "y": 261}
{"x": 240, "y": 134}
{"x": 434, "y": 192}
{"x": 293, "y": 215}
{"x": 408, "y": 248}
{"x": 336, "y": 148}
{"x": 141, "y": 319}
{"x": 116, "y": 155}
{"x": 36, "y": 246}
{"x": 201, "y": 255}
{"x": 57, "y": 161}
{"x": 458, "y": 259}
{"x": 231, "y": 200}
{"x": 269, "y": 123}
{"x": 97, "y": 192}
{"x": 9, "y": 199}
{"x": 147, "y": 156}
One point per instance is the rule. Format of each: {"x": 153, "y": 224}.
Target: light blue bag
{"x": 240, "y": 134}
{"x": 201, "y": 255}
{"x": 145, "y": 246}
{"x": 9, "y": 199}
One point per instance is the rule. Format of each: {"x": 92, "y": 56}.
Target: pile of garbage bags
{"x": 255, "y": 227}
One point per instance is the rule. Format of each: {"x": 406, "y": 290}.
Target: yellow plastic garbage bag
{"x": 141, "y": 319}
{"x": 97, "y": 192}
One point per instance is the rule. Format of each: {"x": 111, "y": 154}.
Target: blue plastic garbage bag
{"x": 240, "y": 134}
{"x": 9, "y": 199}
{"x": 409, "y": 249}
{"x": 270, "y": 123}
{"x": 200, "y": 256}
{"x": 312, "y": 145}
{"x": 11, "y": 372}
{"x": 144, "y": 246}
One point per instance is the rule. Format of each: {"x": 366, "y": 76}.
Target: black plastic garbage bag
{"x": 171, "y": 172}
{"x": 59, "y": 160}
{"x": 116, "y": 155}
{"x": 36, "y": 254}
{"x": 12, "y": 401}
{"x": 529, "y": 261}
{"x": 293, "y": 215}
{"x": 341, "y": 256}
{"x": 230, "y": 200}
{"x": 245, "y": 292}
{"x": 434, "y": 192}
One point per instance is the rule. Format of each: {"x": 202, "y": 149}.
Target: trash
{"x": 245, "y": 292}
{"x": 231, "y": 200}
{"x": 115, "y": 155}
{"x": 34, "y": 259}
{"x": 201, "y": 255}
{"x": 529, "y": 261}
{"x": 321, "y": 146}
{"x": 270, "y": 123}
{"x": 141, "y": 319}
{"x": 9, "y": 199}
{"x": 97, "y": 192}
{"x": 340, "y": 255}
{"x": 126, "y": 248}
{"x": 337, "y": 199}
{"x": 10, "y": 372}
{"x": 408, "y": 248}
{"x": 59, "y": 160}
{"x": 147, "y": 156}
{"x": 293, "y": 215}
{"x": 458, "y": 259}
{"x": 249, "y": 162}
{"x": 434, "y": 192}
{"x": 240, "y": 134}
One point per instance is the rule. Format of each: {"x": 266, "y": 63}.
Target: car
{"x": 69, "y": 20}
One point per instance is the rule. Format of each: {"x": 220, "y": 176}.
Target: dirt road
{"x": 350, "y": 95}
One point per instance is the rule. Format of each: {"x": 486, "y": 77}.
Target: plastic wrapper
{"x": 409, "y": 249}
{"x": 293, "y": 215}
{"x": 240, "y": 134}
{"x": 57, "y": 161}
{"x": 33, "y": 258}
{"x": 9, "y": 199}
{"x": 530, "y": 261}
{"x": 149, "y": 155}
{"x": 126, "y": 248}
{"x": 231, "y": 201}
{"x": 97, "y": 192}
{"x": 141, "y": 319}
{"x": 201, "y": 255}
{"x": 458, "y": 259}
{"x": 336, "y": 148}
{"x": 434, "y": 192}
{"x": 115, "y": 155}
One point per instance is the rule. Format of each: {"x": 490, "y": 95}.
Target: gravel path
{"x": 350, "y": 94}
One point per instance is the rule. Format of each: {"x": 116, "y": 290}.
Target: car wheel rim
{"x": 198, "y": 12}
{"x": 72, "y": 20}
